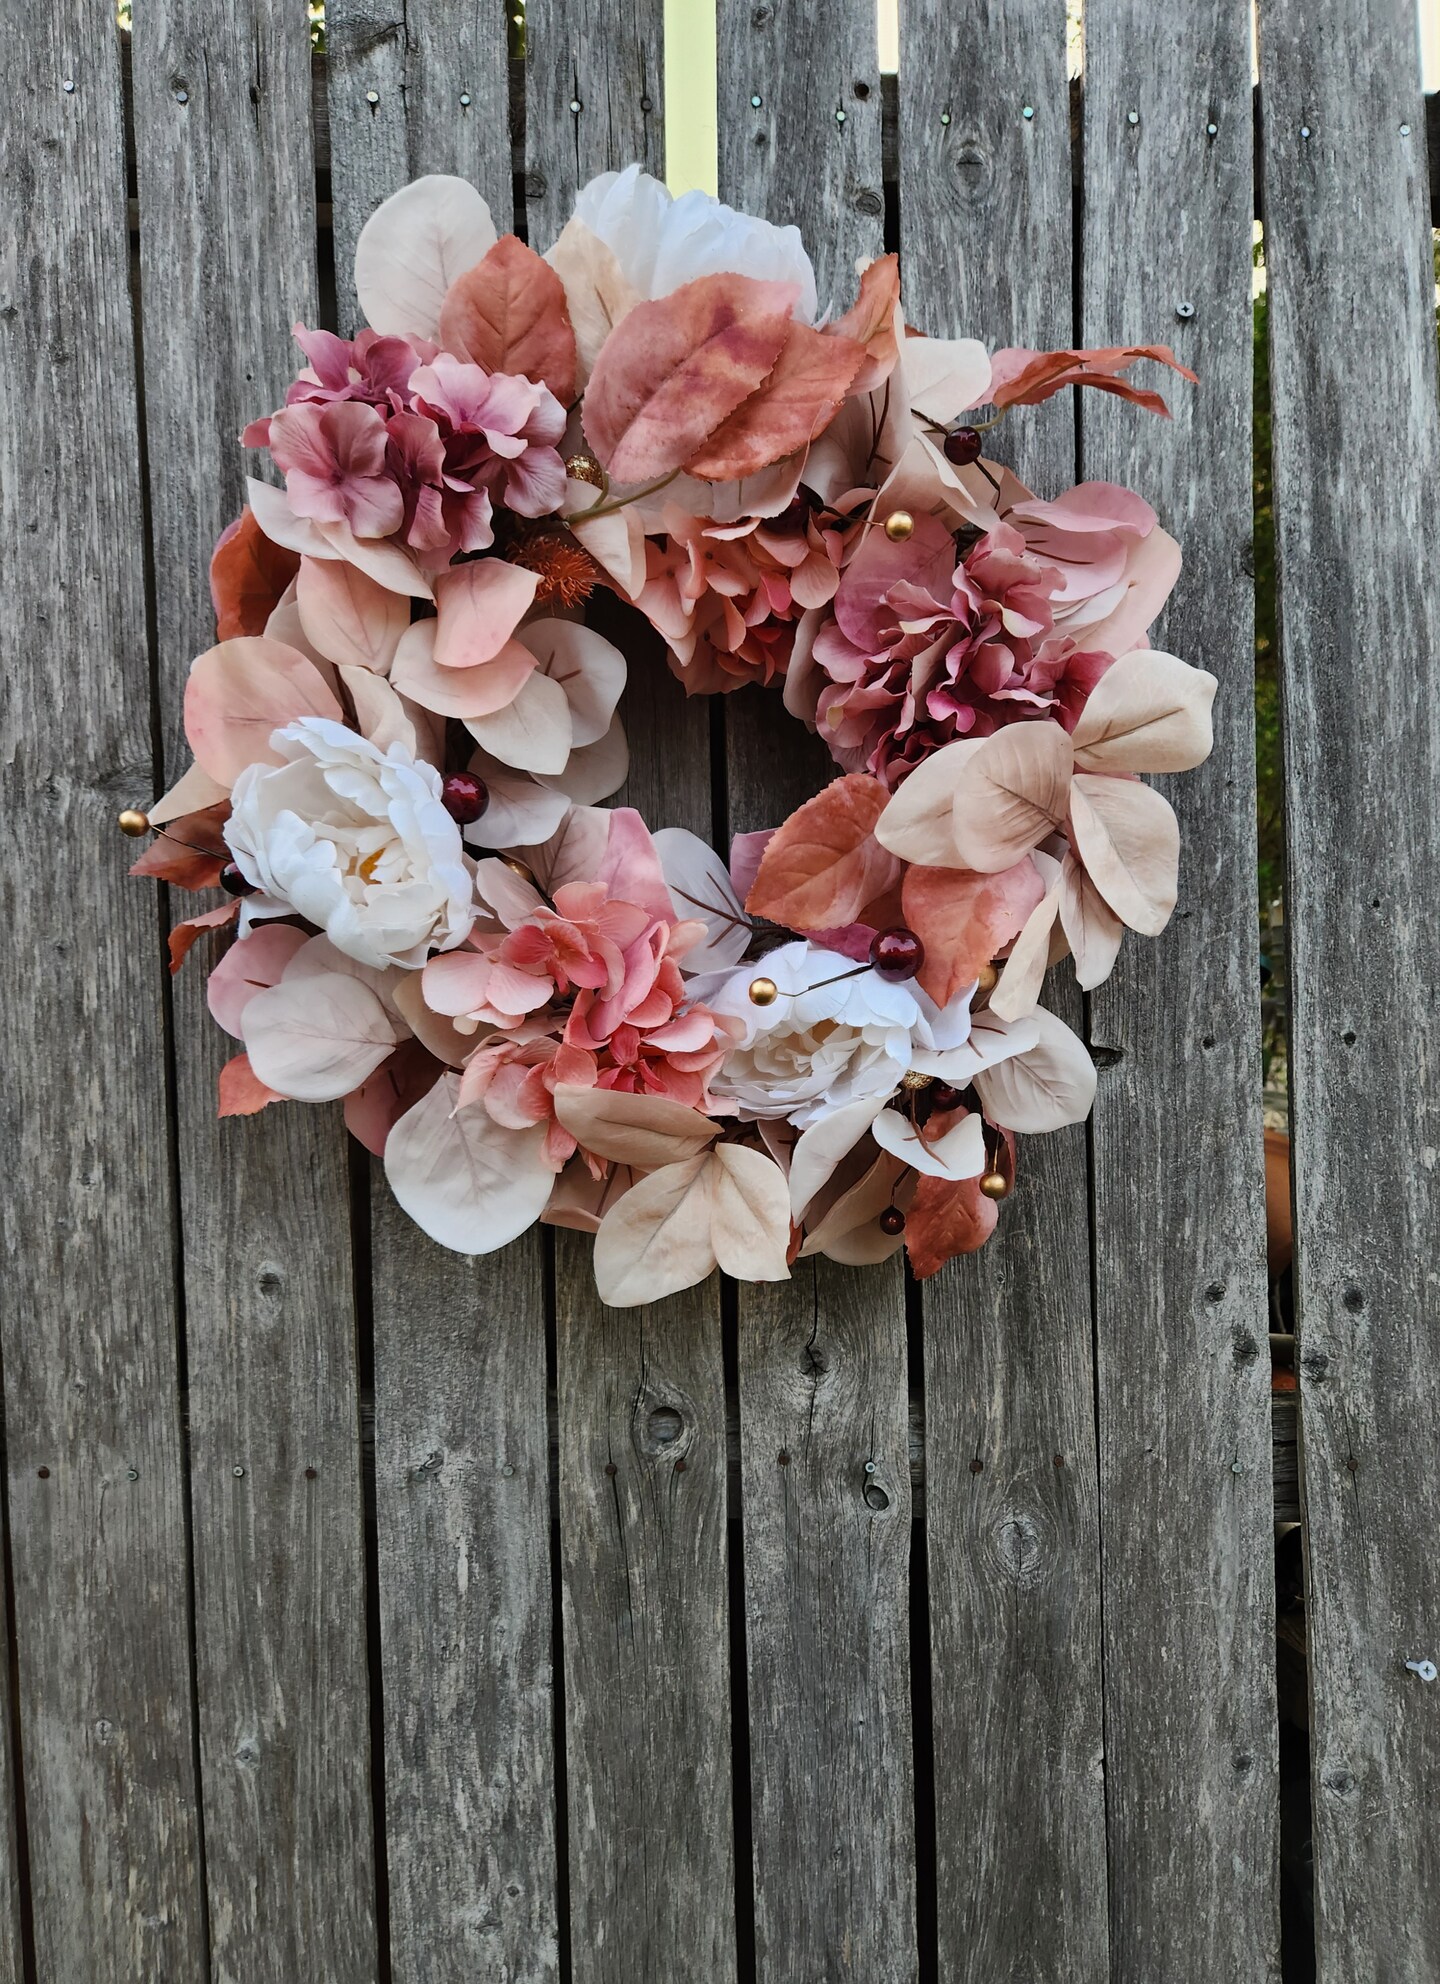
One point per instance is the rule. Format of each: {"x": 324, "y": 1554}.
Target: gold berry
{"x": 899, "y": 525}
{"x": 987, "y": 979}
{"x": 995, "y": 1184}
{"x": 518, "y": 868}
{"x": 133, "y": 822}
{"x": 915, "y": 1080}
{"x": 763, "y": 991}
{"x": 585, "y": 468}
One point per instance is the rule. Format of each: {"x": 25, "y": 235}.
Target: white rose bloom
{"x": 835, "y": 1035}
{"x": 661, "y": 242}
{"x": 354, "y": 839}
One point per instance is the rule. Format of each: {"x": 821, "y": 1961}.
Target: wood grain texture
{"x": 11, "y": 1953}
{"x": 221, "y": 98}
{"x": 88, "y": 1299}
{"x": 1180, "y": 1285}
{"x": 1012, "y": 1503}
{"x": 827, "y": 1553}
{"x": 799, "y": 126}
{"x": 647, "y": 1687}
{"x": 463, "y": 1545}
{"x": 823, "y": 1371}
{"x": 1357, "y": 493}
{"x": 438, "y": 71}
{"x": 462, "y": 1504}
{"x": 606, "y": 58}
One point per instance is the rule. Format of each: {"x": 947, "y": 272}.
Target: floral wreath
{"x": 534, "y": 1007}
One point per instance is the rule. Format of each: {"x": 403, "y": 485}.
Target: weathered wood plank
{"x": 594, "y": 100}
{"x": 1357, "y": 493}
{"x": 462, "y": 1502}
{"x": 88, "y": 1301}
{"x": 11, "y": 1954}
{"x": 1181, "y": 1309}
{"x": 827, "y": 1552}
{"x": 461, "y": 1466}
{"x": 222, "y": 98}
{"x": 439, "y": 77}
{"x": 1012, "y": 1521}
{"x": 647, "y": 1708}
{"x": 641, "y": 1391}
{"x": 822, "y": 1359}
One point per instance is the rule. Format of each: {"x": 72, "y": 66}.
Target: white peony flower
{"x": 355, "y": 840}
{"x": 835, "y": 1035}
{"x": 661, "y": 242}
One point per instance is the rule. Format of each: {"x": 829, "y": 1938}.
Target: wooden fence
{"x": 840, "y": 1630}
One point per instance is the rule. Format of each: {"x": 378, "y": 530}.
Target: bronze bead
{"x": 763, "y": 991}
{"x": 987, "y": 979}
{"x": 995, "y": 1185}
{"x": 915, "y": 1080}
{"x": 133, "y": 822}
{"x": 585, "y": 468}
{"x": 899, "y": 525}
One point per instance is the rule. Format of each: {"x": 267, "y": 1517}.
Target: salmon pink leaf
{"x": 1019, "y": 377}
{"x": 241, "y": 691}
{"x": 964, "y": 919}
{"x": 673, "y": 370}
{"x": 824, "y": 865}
{"x": 242, "y": 1093}
{"x": 796, "y": 402}
{"x": 509, "y": 314}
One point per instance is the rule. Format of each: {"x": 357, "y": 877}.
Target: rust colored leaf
{"x": 509, "y": 314}
{"x": 1019, "y": 377}
{"x": 797, "y": 401}
{"x": 247, "y": 576}
{"x": 821, "y": 868}
{"x": 964, "y": 918}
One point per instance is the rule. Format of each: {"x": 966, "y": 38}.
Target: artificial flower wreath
{"x": 534, "y": 1007}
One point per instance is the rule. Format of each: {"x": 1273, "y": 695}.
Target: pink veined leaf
{"x": 1019, "y": 377}
{"x": 870, "y": 321}
{"x": 184, "y": 936}
{"x": 797, "y": 401}
{"x": 241, "y": 1091}
{"x": 674, "y": 369}
{"x": 460, "y": 692}
{"x": 964, "y": 919}
{"x": 509, "y": 314}
{"x": 824, "y": 865}
{"x": 944, "y": 1220}
{"x": 347, "y": 617}
{"x": 192, "y": 854}
{"x": 241, "y": 691}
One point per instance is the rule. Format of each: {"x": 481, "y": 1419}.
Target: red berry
{"x": 464, "y": 797}
{"x": 234, "y": 882}
{"x": 962, "y": 446}
{"x": 943, "y": 1096}
{"x": 892, "y": 1221}
{"x": 896, "y": 953}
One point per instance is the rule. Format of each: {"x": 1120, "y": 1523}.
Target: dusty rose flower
{"x": 927, "y": 645}
{"x": 498, "y": 435}
{"x": 333, "y": 459}
{"x": 726, "y": 597}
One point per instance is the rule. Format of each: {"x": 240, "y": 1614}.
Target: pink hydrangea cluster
{"x": 939, "y": 637}
{"x": 395, "y": 438}
{"x": 591, "y": 994}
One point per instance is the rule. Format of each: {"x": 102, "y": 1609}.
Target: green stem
{"x": 605, "y": 509}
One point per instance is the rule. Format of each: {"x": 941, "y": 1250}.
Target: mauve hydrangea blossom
{"x": 929, "y": 643}
{"x": 395, "y": 438}
{"x": 727, "y": 597}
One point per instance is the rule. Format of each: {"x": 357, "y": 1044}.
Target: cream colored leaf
{"x": 316, "y": 1038}
{"x": 532, "y": 733}
{"x": 469, "y": 1183}
{"x": 918, "y": 822}
{"x": 1049, "y": 1085}
{"x": 656, "y": 1239}
{"x": 1010, "y": 792}
{"x": 750, "y": 1213}
{"x": 597, "y": 292}
{"x": 645, "y": 1131}
{"x": 1149, "y": 712}
{"x": 413, "y": 247}
{"x": 1018, "y": 991}
{"x": 1128, "y": 838}
{"x": 1092, "y": 928}
{"x": 959, "y": 1153}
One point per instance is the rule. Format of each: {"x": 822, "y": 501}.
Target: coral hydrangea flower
{"x": 726, "y": 597}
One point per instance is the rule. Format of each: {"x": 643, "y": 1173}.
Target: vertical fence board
{"x": 439, "y": 74}
{"x": 594, "y": 100}
{"x": 11, "y": 1958}
{"x": 822, "y": 1358}
{"x": 462, "y": 1499}
{"x": 641, "y": 1391}
{"x": 87, "y": 1312}
{"x": 222, "y": 102}
{"x": 1357, "y": 489}
{"x": 1181, "y": 1315}
{"x": 461, "y": 1463}
{"x": 1012, "y": 1520}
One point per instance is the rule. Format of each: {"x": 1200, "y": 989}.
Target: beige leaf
{"x": 656, "y": 1239}
{"x": 532, "y": 733}
{"x": 1018, "y": 991}
{"x": 1010, "y": 792}
{"x": 1091, "y": 926}
{"x": 750, "y": 1213}
{"x": 645, "y": 1131}
{"x": 1149, "y": 712}
{"x": 918, "y": 822}
{"x": 1048, "y": 1086}
{"x": 1129, "y": 841}
{"x": 597, "y": 291}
